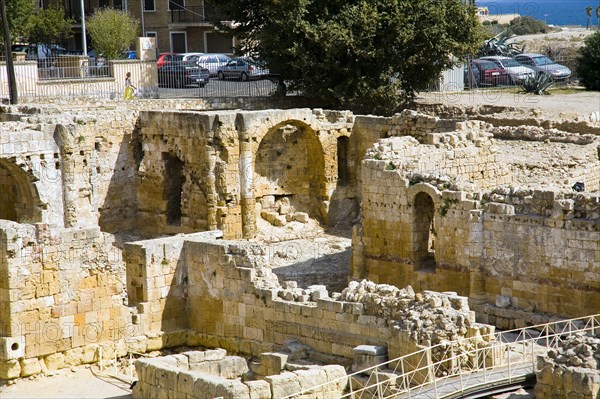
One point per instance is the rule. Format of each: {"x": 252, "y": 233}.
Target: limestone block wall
{"x": 570, "y": 371}
{"x": 61, "y": 294}
{"x": 540, "y": 248}
{"x": 202, "y": 374}
{"x": 157, "y": 282}
{"x": 203, "y": 171}
{"x": 30, "y": 174}
{"x": 69, "y": 168}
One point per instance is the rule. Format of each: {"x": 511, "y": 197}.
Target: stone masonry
{"x": 135, "y": 228}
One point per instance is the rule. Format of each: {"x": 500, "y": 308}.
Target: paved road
{"x": 219, "y": 88}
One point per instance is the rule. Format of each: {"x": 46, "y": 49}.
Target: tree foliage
{"x": 354, "y": 54}
{"x": 526, "y": 26}
{"x": 18, "y": 13}
{"x": 49, "y": 26}
{"x": 112, "y": 31}
{"x": 588, "y": 67}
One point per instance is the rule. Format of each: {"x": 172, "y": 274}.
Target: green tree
{"x": 112, "y": 31}
{"x": 526, "y": 26}
{"x": 18, "y": 14}
{"x": 49, "y": 26}
{"x": 588, "y": 67}
{"x": 354, "y": 54}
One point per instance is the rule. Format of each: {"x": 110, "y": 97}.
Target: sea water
{"x": 553, "y": 12}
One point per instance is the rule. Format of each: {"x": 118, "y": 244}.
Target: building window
{"x": 149, "y": 5}
{"x": 217, "y": 42}
{"x": 178, "y": 42}
{"x": 176, "y": 4}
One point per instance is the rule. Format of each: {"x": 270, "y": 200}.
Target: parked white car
{"x": 517, "y": 72}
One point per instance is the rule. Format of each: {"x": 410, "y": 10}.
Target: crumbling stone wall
{"x": 537, "y": 247}
{"x": 69, "y": 168}
{"x": 201, "y": 374}
{"x": 229, "y": 160}
{"x": 570, "y": 371}
{"x": 234, "y": 301}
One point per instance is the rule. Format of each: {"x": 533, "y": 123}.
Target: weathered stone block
{"x": 55, "y": 361}
{"x": 259, "y": 389}
{"x": 10, "y": 369}
{"x": 30, "y": 366}
{"x": 284, "y": 384}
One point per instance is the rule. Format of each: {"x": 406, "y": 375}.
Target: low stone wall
{"x": 570, "y": 372}
{"x": 211, "y": 374}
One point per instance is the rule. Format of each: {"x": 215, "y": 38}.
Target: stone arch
{"x": 289, "y": 162}
{"x": 20, "y": 198}
{"x": 425, "y": 201}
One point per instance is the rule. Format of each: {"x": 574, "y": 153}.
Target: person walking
{"x": 129, "y": 87}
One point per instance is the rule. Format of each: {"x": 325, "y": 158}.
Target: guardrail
{"x": 441, "y": 371}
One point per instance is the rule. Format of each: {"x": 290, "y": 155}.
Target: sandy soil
{"x": 568, "y": 106}
{"x": 78, "y": 382}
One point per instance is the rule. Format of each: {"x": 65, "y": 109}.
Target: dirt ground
{"x": 78, "y": 382}
{"x": 554, "y": 106}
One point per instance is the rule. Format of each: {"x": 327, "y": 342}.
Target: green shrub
{"x": 588, "y": 66}
{"x": 526, "y": 26}
{"x": 537, "y": 84}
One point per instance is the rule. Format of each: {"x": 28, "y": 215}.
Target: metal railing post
{"x": 101, "y": 361}
{"x": 509, "y": 370}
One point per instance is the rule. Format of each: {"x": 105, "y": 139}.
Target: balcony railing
{"x": 192, "y": 14}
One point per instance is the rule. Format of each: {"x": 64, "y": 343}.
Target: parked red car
{"x": 164, "y": 59}
{"x": 490, "y": 73}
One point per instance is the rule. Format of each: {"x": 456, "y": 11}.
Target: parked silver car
{"x": 243, "y": 69}
{"x": 213, "y": 62}
{"x": 517, "y": 72}
{"x": 541, "y": 63}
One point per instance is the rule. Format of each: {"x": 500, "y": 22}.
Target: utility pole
{"x": 10, "y": 68}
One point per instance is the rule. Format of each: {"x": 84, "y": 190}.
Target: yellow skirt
{"x": 129, "y": 93}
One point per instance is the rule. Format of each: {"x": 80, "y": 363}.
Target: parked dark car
{"x": 471, "y": 75}
{"x": 489, "y": 73}
{"x": 243, "y": 69}
{"x": 179, "y": 74}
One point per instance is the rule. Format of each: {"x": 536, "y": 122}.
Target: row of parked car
{"x": 496, "y": 70}
{"x": 185, "y": 69}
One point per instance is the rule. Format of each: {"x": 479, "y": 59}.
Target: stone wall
{"x": 202, "y": 374}
{"x": 61, "y": 295}
{"x": 234, "y": 301}
{"x": 570, "y": 371}
{"x": 438, "y": 231}
{"x": 70, "y": 168}
{"x": 208, "y": 170}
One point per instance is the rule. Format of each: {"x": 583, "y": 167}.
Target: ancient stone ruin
{"x": 162, "y": 225}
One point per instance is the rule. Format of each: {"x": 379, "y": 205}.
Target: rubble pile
{"x": 570, "y": 371}
{"x": 430, "y": 317}
{"x": 578, "y": 351}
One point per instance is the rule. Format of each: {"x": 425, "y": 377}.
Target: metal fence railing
{"x": 448, "y": 368}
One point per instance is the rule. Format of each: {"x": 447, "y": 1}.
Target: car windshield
{"x": 542, "y": 60}
{"x": 487, "y": 65}
{"x": 510, "y": 63}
